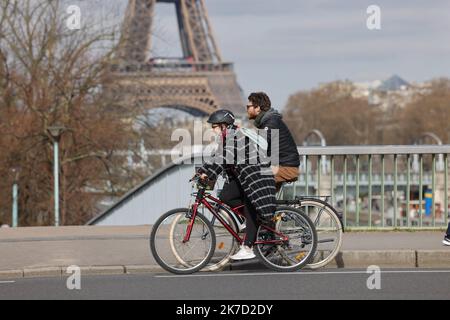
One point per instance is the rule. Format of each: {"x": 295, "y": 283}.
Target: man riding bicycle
{"x": 248, "y": 183}
{"x": 259, "y": 108}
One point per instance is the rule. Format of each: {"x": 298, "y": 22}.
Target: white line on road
{"x": 296, "y": 273}
{"x": 6, "y": 282}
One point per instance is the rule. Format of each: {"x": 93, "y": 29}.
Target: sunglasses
{"x": 251, "y": 106}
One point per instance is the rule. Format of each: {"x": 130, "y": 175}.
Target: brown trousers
{"x": 285, "y": 174}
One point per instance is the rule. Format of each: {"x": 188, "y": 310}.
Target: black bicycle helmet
{"x": 222, "y": 116}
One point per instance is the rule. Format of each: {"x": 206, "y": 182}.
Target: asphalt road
{"x": 305, "y": 285}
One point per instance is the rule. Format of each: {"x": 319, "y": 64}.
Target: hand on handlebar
{"x": 202, "y": 177}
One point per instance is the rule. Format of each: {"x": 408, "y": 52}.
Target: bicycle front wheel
{"x": 297, "y": 251}
{"x": 170, "y": 250}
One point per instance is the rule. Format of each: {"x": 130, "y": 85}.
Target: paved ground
{"x": 339, "y": 284}
{"x": 122, "y": 247}
{"x": 83, "y": 246}
{"x": 97, "y": 246}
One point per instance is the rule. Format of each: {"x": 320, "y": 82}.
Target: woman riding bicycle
{"x": 248, "y": 183}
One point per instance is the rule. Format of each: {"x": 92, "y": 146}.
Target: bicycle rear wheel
{"x": 293, "y": 254}
{"x": 169, "y": 249}
{"x": 329, "y": 231}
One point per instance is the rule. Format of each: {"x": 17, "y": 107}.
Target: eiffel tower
{"x": 198, "y": 83}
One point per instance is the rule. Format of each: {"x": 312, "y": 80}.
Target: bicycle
{"x": 183, "y": 240}
{"x": 327, "y": 221}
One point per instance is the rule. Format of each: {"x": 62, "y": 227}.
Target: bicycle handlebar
{"x": 197, "y": 179}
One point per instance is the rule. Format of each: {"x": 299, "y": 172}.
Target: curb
{"x": 104, "y": 270}
{"x": 60, "y": 272}
{"x": 42, "y": 272}
{"x": 364, "y": 258}
{"x": 345, "y": 259}
{"x": 383, "y": 259}
{"x": 143, "y": 269}
{"x": 433, "y": 258}
{"x": 11, "y": 274}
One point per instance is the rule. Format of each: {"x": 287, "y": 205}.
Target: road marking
{"x": 304, "y": 273}
{"x": 6, "y": 282}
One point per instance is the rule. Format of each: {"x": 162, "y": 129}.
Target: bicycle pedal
{"x": 300, "y": 256}
{"x": 279, "y": 217}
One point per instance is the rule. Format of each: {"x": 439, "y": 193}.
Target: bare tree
{"x": 332, "y": 109}
{"x": 52, "y": 75}
{"x": 429, "y": 112}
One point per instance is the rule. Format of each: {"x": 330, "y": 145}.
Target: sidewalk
{"x": 48, "y": 251}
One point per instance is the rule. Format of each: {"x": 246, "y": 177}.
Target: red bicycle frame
{"x": 203, "y": 197}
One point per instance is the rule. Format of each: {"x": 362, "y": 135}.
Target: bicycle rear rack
{"x": 298, "y": 199}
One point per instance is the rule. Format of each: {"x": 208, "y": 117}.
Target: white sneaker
{"x": 245, "y": 253}
{"x": 446, "y": 241}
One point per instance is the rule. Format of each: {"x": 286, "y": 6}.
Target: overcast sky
{"x": 289, "y": 45}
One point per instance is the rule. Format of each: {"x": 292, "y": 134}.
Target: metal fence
{"x": 378, "y": 187}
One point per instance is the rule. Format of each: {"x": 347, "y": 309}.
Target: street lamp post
{"x": 15, "y": 197}
{"x": 56, "y": 132}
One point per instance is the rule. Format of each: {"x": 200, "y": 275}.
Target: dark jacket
{"x": 239, "y": 160}
{"x": 288, "y": 153}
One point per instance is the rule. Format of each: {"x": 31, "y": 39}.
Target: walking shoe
{"x": 245, "y": 253}
{"x": 446, "y": 241}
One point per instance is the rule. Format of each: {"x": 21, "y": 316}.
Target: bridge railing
{"x": 378, "y": 186}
